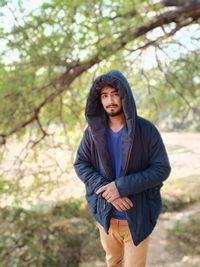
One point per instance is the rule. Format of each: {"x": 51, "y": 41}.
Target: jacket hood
{"x": 94, "y": 112}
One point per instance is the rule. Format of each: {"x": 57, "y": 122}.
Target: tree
{"x": 54, "y": 51}
{"x": 60, "y": 41}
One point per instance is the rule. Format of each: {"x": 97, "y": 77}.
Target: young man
{"x": 122, "y": 162}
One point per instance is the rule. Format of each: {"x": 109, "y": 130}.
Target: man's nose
{"x": 110, "y": 98}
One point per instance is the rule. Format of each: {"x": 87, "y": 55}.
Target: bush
{"x": 59, "y": 237}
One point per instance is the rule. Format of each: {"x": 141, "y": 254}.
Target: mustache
{"x": 112, "y": 106}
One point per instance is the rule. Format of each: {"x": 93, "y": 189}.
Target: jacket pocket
{"x": 92, "y": 200}
{"x": 154, "y": 203}
{"x": 101, "y": 206}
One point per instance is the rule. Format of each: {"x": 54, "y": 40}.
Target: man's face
{"x": 111, "y": 101}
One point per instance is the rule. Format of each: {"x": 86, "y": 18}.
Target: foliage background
{"x": 50, "y": 52}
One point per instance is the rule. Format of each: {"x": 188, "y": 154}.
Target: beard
{"x": 115, "y": 113}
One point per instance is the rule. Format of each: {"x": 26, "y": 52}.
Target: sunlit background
{"x": 50, "y": 53}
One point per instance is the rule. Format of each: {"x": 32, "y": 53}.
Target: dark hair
{"x": 102, "y": 84}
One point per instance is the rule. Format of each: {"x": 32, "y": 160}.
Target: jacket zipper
{"x": 125, "y": 169}
{"x": 129, "y": 155}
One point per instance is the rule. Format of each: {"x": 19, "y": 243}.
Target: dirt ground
{"x": 184, "y": 155}
{"x": 160, "y": 254}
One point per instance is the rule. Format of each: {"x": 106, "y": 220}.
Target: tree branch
{"x": 185, "y": 13}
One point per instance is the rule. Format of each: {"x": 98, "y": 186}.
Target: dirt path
{"x": 159, "y": 255}
{"x": 184, "y": 153}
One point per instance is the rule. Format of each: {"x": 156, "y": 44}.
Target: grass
{"x": 179, "y": 193}
{"x": 185, "y": 236}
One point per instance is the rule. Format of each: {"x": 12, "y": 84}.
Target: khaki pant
{"x": 119, "y": 247}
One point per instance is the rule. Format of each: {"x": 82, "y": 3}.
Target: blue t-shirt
{"x": 115, "y": 151}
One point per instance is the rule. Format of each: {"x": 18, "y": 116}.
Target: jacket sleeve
{"x": 83, "y": 165}
{"x": 158, "y": 169}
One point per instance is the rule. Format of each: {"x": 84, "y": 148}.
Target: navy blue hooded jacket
{"x": 145, "y": 163}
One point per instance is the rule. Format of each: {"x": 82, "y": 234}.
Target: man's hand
{"x": 110, "y": 192}
{"x": 122, "y": 203}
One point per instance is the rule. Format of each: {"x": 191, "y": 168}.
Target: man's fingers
{"x": 127, "y": 203}
{"x": 105, "y": 195}
{"x": 124, "y": 203}
{"x": 117, "y": 207}
{"x": 130, "y": 203}
{"x": 111, "y": 199}
{"x": 120, "y": 205}
{"x": 101, "y": 189}
{"x": 123, "y": 206}
{"x": 128, "y": 206}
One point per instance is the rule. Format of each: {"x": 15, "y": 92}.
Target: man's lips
{"x": 112, "y": 106}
